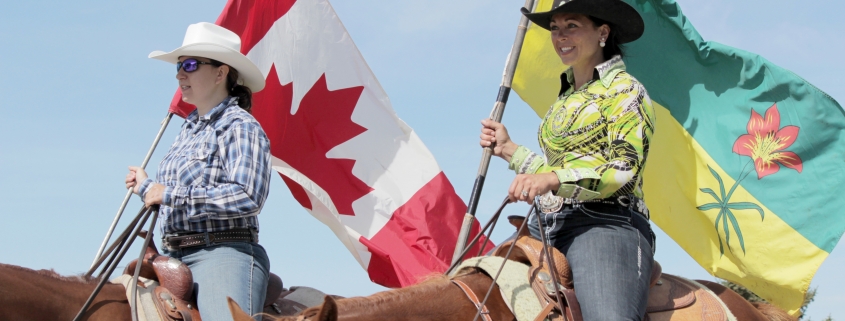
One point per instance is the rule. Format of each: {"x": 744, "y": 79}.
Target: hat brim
{"x": 249, "y": 73}
{"x": 627, "y": 21}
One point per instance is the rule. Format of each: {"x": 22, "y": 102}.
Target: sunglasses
{"x": 191, "y": 64}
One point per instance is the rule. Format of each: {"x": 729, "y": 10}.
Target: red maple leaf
{"x": 302, "y": 140}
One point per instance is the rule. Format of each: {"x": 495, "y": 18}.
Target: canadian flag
{"x": 338, "y": 144}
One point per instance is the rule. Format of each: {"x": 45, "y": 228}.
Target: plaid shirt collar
{"x": 215, "y": 112}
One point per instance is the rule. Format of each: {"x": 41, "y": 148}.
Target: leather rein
{"x": 482, "y": 310}
{"x": 117, "y": 250}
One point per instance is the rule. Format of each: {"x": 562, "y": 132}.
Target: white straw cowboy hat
{"x": 211, "y": 41}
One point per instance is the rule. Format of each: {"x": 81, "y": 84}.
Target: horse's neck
{"x": 43, "y": 295}
{"x": 434, "y": 300}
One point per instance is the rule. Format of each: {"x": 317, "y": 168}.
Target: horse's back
{"x": 45, "y": 295}
{"x": 744, "y": 310}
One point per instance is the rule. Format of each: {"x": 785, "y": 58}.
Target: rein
{"x": 510, "y": 249}
{"x": 475, "y": 239}
{"x": 482, "y": 310}
{"x": 133, "y": 304}
{"x": 552, "y": 267}
{"x": 123, "y": 243}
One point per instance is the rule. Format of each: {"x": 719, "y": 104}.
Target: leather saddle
{"x": 670, "y": 297}
{"x": 174, "y": 297}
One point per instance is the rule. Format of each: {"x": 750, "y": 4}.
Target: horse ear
{"x": 328, "y": 311}
{"x": 237, "y": 313}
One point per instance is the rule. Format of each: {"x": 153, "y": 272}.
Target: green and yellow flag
{"x": 746, "y": 157}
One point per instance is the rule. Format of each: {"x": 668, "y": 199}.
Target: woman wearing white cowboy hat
{"x": 213, "y": 181}
{"x": 595, "y": 138}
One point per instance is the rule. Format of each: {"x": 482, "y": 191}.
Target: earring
{"x": 601, "y": 43}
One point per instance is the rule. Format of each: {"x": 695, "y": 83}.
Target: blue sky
{"x": 81, "y": 102}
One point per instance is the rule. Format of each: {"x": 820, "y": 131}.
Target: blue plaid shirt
{"x": 217, "y": 173}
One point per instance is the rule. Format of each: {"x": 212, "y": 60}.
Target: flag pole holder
{"x": 496, "y": 115}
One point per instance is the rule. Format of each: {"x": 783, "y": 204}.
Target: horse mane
{"x": 398, "y": 294}
{"x": 434, "y": 279}
{"x": 81, "y": 278}
{"x": 389, "y": 297}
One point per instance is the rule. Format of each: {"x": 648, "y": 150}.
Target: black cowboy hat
{"x": 625, "y": 19}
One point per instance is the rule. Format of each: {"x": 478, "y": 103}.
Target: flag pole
{"x": 496, "y": 114}
{"x": 126, "y": 198}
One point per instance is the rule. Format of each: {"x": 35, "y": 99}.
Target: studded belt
{"x": 549, "y": 203}
{"x": 175, "y": 242}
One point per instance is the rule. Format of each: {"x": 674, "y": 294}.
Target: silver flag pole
{"x": 164, "y": 124}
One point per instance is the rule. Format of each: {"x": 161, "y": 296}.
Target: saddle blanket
{"x": 512, "y": 282}
{"x": 144, "y": 301}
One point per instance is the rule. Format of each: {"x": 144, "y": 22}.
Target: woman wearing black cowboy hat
{"x": 595, "y": 138}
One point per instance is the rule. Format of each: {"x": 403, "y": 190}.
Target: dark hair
{"x": 612, "y": 47}
{"x": 243, "y": 93}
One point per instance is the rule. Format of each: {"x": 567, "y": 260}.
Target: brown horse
{"x": 45, "y": 295}
{"x": 27, "y": 294}
{"x": 439, "y": 299}
{"x": 434, "y": 299}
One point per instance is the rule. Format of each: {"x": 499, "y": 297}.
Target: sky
{"x": 81, "y": 102}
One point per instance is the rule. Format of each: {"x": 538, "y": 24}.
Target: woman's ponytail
{"x": 243, "y": 93}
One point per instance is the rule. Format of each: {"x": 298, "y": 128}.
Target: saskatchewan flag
{"x": 746, "y": 160}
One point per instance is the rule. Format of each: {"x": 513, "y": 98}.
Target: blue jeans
{"x": 238, "y": 270}
{"x": 609, "y": 248}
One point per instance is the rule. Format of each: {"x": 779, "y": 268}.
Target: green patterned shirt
{"x": 594, "y": 138}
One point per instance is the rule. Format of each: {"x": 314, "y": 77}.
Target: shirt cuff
{"x": 525, "y": 161}
{"x": 568, "y": 176}
{"x": 144, "y": 187}
{"x": 575, "y": 192}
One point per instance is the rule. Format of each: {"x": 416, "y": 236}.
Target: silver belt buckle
{"x": 549, "y": 203}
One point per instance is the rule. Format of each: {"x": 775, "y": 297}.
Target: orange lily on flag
{"x": 765, "y": 143}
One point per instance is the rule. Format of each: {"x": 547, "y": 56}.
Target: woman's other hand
{"x": 526, "y": 186}
{"x": 154, "y": 194}
{"x": 493, "y": 132}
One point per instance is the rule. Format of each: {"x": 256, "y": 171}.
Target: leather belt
{"x": 175, "y": 242}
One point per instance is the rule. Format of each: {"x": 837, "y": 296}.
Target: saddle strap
{"x": 543, "y": 288}
{"x": 573, "y": 309}
{"x": 541, "y": 283}
{"x": 485, "y": 313}
{"x": 545, "y": 312}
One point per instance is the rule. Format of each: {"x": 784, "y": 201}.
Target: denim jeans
{"x": 609, "y": 248}
{"x": 238, "y": 270}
